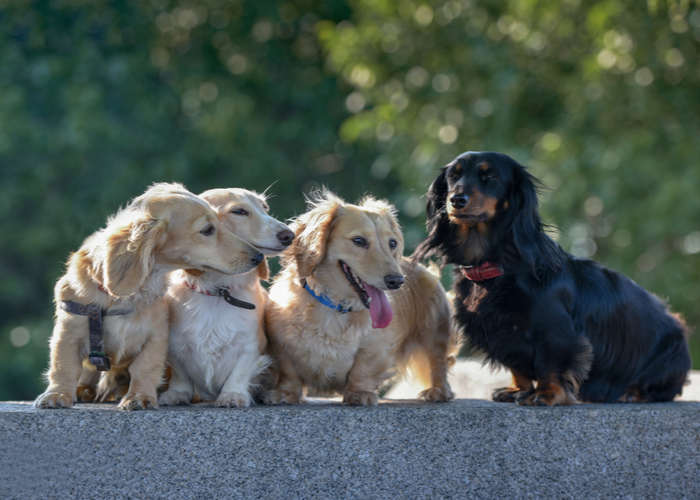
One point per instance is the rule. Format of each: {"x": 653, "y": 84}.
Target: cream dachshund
{"x": 216, "y": 332}
{"x": 111, "y": 311}
{"x": 331, "y": 326}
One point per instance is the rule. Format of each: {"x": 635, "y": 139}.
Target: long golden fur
{"x": 330, "y": 352}
{"x": 124, "y": 266}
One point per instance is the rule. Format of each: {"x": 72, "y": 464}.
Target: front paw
{"x": 86, "y": 394}
{"x": 437, "y": 394}
{"x": 135, "y": 401}
{"x": 548, "y": 398}
{"x": 510, "y": 395}
{"x": 54, "y": 400}
{"x": 233, "y": 399}
{"x": 360, "y": 398}
{"x": 174, "y": 398}
{"x": 279, "y": 397}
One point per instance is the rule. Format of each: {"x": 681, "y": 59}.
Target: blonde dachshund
{"x": 111, "y": 312}
{"x": 331, "y": 326}
{"x": 216, "y": 333}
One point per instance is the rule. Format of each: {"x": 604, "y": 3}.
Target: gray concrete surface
{"x": 400, "y": 449}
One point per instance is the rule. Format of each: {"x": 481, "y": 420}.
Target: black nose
{"x": 393, "y": 281}
{"x": 459, "y": 200}
{"x": 286, "y": 237}
{"x": 257, "y": 259}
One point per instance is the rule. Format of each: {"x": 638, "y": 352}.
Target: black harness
{"x": 98, "y": 358}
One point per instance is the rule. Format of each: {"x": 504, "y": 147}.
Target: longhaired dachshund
{"x": 331, "y": 326}
{"x": 216, "y": 321}
{"x": 579, "y": 330}
{"x": 111, "y": 314}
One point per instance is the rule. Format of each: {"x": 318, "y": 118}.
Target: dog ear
{"x": 129, "y": 254}
{"x": 437, "y": 222}
{"x": 263, "y": 270}
{"x": 311, "y": 237}
{"x": 527, "y": 229}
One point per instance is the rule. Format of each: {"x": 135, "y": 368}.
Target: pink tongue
{"x": 379, "y": 308}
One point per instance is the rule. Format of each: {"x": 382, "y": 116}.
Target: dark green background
{"x": 100, "y": 99}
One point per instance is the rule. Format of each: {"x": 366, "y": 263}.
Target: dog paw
{"x": 233, "y": 399}
{"x": 86, "y": 394}
{"x": 510, "y": 395}
{"x": 54, "y": 400}
{"x": 279, "y": 397}
{"x": 174, "y": 398}
{"x": 134, "y": 401}
{"x": 547, "y": 398}
{"x": 360, "y": 398}
{"x": 437, "y": 394}
{"x": 633, "y": 395}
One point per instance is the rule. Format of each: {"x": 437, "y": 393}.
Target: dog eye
{"x": 238, "y": 211}
{"x": 360, "y": 242}
{"x": 453, "y": 175}
{"x": 487, "y": 176}
{"x": 392, "y": 243}
{"x": 208, "y": 231}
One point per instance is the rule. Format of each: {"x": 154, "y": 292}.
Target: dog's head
{"x": 170, "y": 227}
{"x": 478, "y": 203}
{"x": 350, "y": 252}
{"x": 245, "y": 214}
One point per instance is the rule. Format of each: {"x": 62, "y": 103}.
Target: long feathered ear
{"x": 130, "y": 254}
{"x": 437, "y": 222}
{"x": 263, "y": 270}
{"x": 527, "y": 229}
{"x": 311, "y": 237}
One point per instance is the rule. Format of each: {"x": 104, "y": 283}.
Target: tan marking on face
{"x": 484, "y": 167}
{"x": 479, "y": 209}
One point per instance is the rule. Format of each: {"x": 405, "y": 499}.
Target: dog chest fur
{"x": 209, "y": 335}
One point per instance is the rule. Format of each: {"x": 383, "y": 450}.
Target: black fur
{"x": 568, "y": 323}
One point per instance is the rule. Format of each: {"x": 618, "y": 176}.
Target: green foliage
{"x": 100, "y": 99}
{"x": 600, "y": 99}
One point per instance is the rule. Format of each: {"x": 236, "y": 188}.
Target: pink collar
{"x": 485, "y": 271}
{"x": 195, "y": 289}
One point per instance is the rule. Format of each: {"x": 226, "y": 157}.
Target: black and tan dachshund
{"x": 581, "y": 331}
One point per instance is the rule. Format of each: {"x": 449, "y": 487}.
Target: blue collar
{"x": 326, "y": 301}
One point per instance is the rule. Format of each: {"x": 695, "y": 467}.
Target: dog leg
{"x": 147, "y": 369}
{"x": 66, "y": 368}
{"x": 87, "y": 384}
{"x": 289, "y": 387}
{"x": 439, "y": 362}
{"x": 236, "y": 390}
{"x": 180, "y": 389}
{"x": 522, "y": 388}
{"x": 563, "y": 359}
{"x": 370, "y": 369}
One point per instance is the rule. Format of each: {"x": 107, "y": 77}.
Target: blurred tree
{"x": 599, "y": 98}
{"x": 100, "y": 99}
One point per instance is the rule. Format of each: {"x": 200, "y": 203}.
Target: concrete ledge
{"x": 400, "y": 449}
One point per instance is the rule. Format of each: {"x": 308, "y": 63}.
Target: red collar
{"x": 485, "y": 271}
